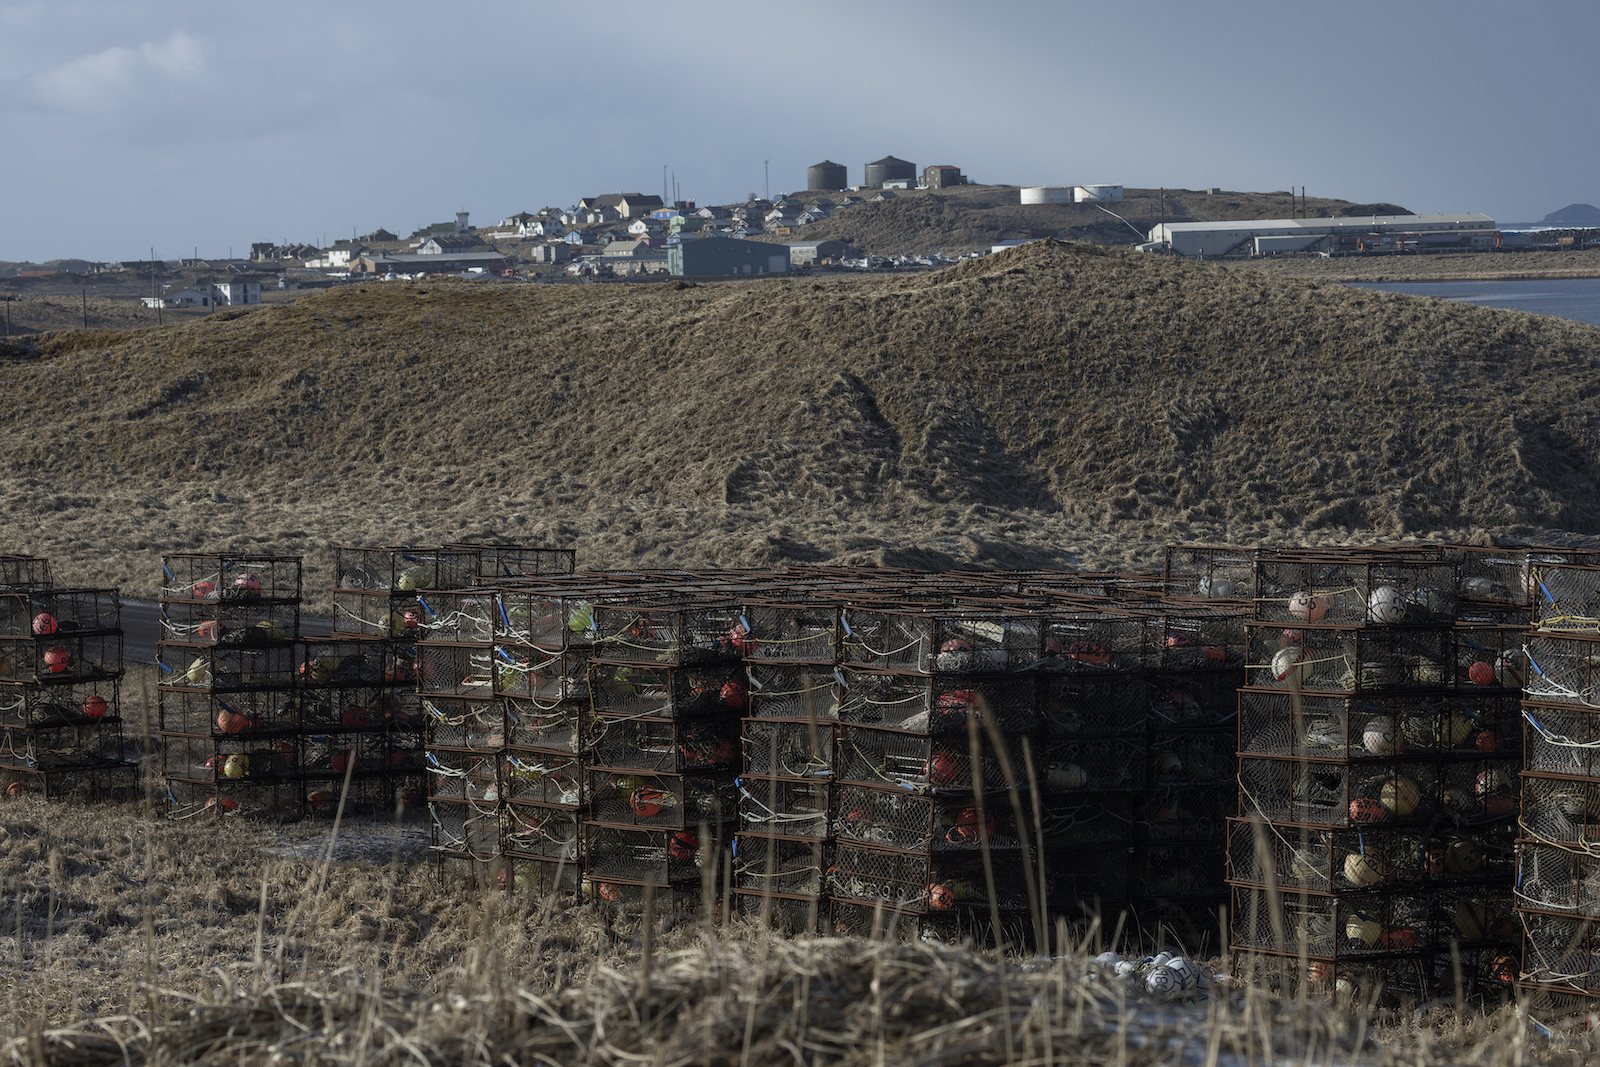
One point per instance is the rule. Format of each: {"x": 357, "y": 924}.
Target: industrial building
{"x": 1368, "y": 233}
{"x": 726, "y": 255}
{"x": 942, "y": 176}
{"x": 889, "y": 169}
{"x": 808, "y": 253}
{"x": 827, "y": 176}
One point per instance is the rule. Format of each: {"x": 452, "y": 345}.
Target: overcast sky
{"x": 128, "y": 124}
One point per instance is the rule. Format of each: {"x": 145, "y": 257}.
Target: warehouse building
{"x": 1359, "y": 233}
{"x": 726, "y": 255}
{"x": 810, "y": 253}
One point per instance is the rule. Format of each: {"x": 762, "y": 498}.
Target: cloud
{"x": 120, "y": 79}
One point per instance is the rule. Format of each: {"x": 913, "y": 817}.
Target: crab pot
{"x": 535, "y": 618}
{"x": 929, "y": 643}
{"x": 668, "y": 692}
{"x": 1377, "y": 725}
{"x": 541, "y": 876}
{"x": 63, "y": 747}
{"x": 231, "y": 579}
{"x": 1200, "y": 641}
{"x": 919, "y": 763}
{"x": 48, "y": 612}
{"x": 112, "y": 781}
{"x": 228, "y": 622}
{"x": 470, "y": 776}
{"x": 75, "y": 704}
{"x": 404, "y": 570}
{"x": 907, "y": 822}
{"x": 790, "y": 633}
{"x": 1423, "y": 859}
{"x": 534, "y": 777}
{"x": 784, "y": 806}
{"x": 1562, "y": 669}
{"x": 244, "y": 798}
{"x": 61, "y": 658}
{"x": 520, "y": 561}
{"x": 1067, "y": 767}
{"x": 1191, "y": 813}
{"x": 667, "y": 634}
{"x": 1093, "y": 643}
{"x": 1560, "y": 879}
{"x": 1508, "y": 577}
{"x": 665, "y": 745}
{"x": 473, "y": 874}
{"x": 1374, "y": 924}
{"x": 789, "y": 749}
{"x": 566, "y": 727}
{"x": 1565, "y": 596}
{"x": 459, "y": 617}
{"x": 1083, "y": 818}
{"x": 338, "y": 663}
{"x": 1082, "y": 875}
{"x": 1472, "y": 792}
{"x": 640, "y": 855}
{"x": 792, "y": 915}
{"x": 1560, "y": 810}
{"x": 660, "y": 801}
{"x": 1218, "y": 572}
{"x": 1105, "y": 705}
{"x": 227, "y": 670}
{"x": 676, "y": 899}
{"x": 542, "y": 831}
{"x": 877, "y": 920}
{"x": 1354, "y": 589}
{"x": 24, "y": 573}
{"x": 377, "y": 615}
{"x": 325, "y": 756}
{"x": 323, "y": 710}
{"x": 939, "y": 704}
{"x": 779, "y": 865}
{"x": 1198, "y": 758}
{"x": 465, "y": 826}
{"x": 793, "y": 691}
{"x": 544, "y": 677}
{"x": 1561, "y": 739}
{"x": 899, "y": 880}
{"x": 1352, "y": 659}
{"x": 1489, "y": 656}
{"x": 1182, "y": 872}
{"x": 455, "y": 670}
{"x": 1191, "y": 698}
{"x": 478, "y": 723}
{"x": 1562, "y": 954}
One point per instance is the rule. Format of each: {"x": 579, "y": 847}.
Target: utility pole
{"x": 155, "y": 290}
{"x": 766, "y": 181}
{"x": 85, "y": 293}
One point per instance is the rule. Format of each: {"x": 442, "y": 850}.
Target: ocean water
{"x": 1577, "y": 299}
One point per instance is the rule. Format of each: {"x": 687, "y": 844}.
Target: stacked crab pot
{"x": 231, "y": 725}
{"x": 60, "y": 673}
{"x": 667, "y": 691}
{"x": 1558, "y": 869}
{"x": 938, "y": 726}
{"x": 1376, "y": 770}
{"x": 784, "y": 844}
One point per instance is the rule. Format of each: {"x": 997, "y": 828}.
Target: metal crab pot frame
{"x": 1356, "y": 589}
{"x": 1561, "y": 739}
{"x": 938, "y": 642}
{"x": 783, "y": 632}
{"x": 1420, "y": 859}
{"x": 785, "y": 806}
{"x": 908, "y": 822}
{"x": 1562, "y": 668}
{"x": 544, "y": 677}
{"x": 61, "y": 658}
{"x": 229, "y": 578}
{"x": 545, "y": 831}
{"x": 464, "y": 826}
{"x": 219, "y": 669}
{"x": 113, "y": 781}
{"x": 477, "y": 724}
{"x": 1342, "y": 793}
{"x": 45, "y": 612}
{"x": 659, "y": 856}
{"x": 24, "y": 573}
{"x": 627, "y": 691}
{"x": 793, "y": 691}
{"x": 76, "y": 703}
{"x": 1377, "y": 725}
{"x": 779, "y": 864}
{"x": 657, "y": 633}
{"x": 624, "y": 797}
{"x": 1217, "y": 572}
{"x": 665, "y": 745}
{"x": 939, "y": 704}
{"x": 404, "y": 571}
{"x": 1347, "y": 659}
{"x": 789, "y": 748}
{"x": 1397, "y": 924}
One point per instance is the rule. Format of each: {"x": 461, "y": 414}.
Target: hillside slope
{"x": 1054, "y": 405}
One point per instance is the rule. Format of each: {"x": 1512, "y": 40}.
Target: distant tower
{"x": 888, "y": 169}
{"x": 827, "y": 175}
{"x": 461, "y": 222}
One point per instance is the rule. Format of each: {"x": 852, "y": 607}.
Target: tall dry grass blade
{"x": 1455, "y": 967}
{"x": 1269, "y": 864}
{"x": 974, "y": 747}
{"x": 258, "y": 957}
{"x": 1035, "y": 903}
{"x": 709, "y": 858}
{"x": 647, "y": 950}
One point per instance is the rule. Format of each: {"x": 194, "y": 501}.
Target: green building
{"x": 726, "y": 255}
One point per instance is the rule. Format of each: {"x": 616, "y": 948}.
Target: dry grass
{"x": 1436, "y": 267}
{"x": 134, "y": 941}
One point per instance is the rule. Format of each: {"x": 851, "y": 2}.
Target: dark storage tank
{"x": 827, "y": 175}
{"x": 889, "y": 169}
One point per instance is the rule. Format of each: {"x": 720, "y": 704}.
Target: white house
{"x": 178, "y": 298}
{"x": 237, "y": 291}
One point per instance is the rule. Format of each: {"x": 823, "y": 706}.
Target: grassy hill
{"x": 1055, "y": 405}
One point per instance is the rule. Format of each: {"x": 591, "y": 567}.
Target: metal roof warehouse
{"x": 1308, "y": 235}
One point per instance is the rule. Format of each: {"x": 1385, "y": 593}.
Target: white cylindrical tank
{"x": 1048, "y": 194}
{"x": 1098, "y": 192}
